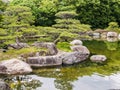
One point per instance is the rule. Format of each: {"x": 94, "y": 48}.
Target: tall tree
{"x": 15, "y": 19}
{"x": 17, "y": 16}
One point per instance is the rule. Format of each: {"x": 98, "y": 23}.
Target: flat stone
{"x": 98, "y": 58}
{"x": 43, "y": 61}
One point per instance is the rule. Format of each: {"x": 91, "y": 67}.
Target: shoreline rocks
{"x": 4, "y": 86}
{"x": 43, "y": 61}
{"x": 73, "y": 57}
{"x": 79, "y": 53}
{"x": 15, "y": 66}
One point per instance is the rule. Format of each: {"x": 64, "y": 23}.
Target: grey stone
{"x": 42, "y": 61}
{"x": 18, "y": 45}
{"x": 4, "y": 86}
{"x": 51, "y": 48}
{"x": 79, "y": 48}
{"x": 112, "y": 34}
{"x": 3, "y": 69}
{"x": 74, "y": 57}
{"x": 15, "y": 66}
{"x": 98, "y": 58}
{"x": 76, "y": 42}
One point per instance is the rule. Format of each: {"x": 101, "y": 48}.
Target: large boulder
{"x": 51, "y": 48}
{"x": 4, "y": 86}
{"x": 112, "y": 34}
{"x": 73, "y": 57}
{"x": 98, "y": 58}
{"x": 79, "y": 48}
{"x": 15, "y": 66}
{"x": 18, "y": 45}
{"x": 42, "y": 61}
{"x": 76, "y": 42}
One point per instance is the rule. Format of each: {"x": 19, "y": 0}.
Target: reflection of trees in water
{"x": 22, "y": 82}
{"x": 63, "y": 85}
{"x": 111, "y": 45}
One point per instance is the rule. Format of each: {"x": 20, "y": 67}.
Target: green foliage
{"x": 13, "y": 53}
{"x": 112, "y": 46}
{"x": 47, "y": 10}
{"x": 71, "y": 26}
{"x": 29, "y": 32}
{"x": 17, "y": 16}
{"x": 49, "y": 34}
{"x": 98, "y": 14}
{"x": 15, "y": 19}
{"x": 67, "y": 21}
{"x": 66, "y": 14}
{"x": 43, "y": 10}
{"x": 113, "y": 26}
{"x": 2, "y": 32}
{"x": 65, "y": 46}
{"x": 67, "y": 36}
{"x": 67, "y": 8}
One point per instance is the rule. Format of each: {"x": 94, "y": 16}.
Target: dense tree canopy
{"x": 99, "y": 14}
{"x": 43, "y": 10}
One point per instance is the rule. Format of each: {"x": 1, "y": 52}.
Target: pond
{"x": 83, "y": 76}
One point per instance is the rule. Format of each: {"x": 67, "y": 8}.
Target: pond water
{"x": 83, "y": 76}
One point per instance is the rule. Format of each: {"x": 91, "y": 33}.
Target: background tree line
{"x": 97, "y": 13}
{"x": 55, "y": 20}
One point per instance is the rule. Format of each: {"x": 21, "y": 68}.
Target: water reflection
{"x": 97, "y": 82}
{"x": 111, "y": 45}
{"x": 87, "y": 82}
{"x": 22, "y": 82}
